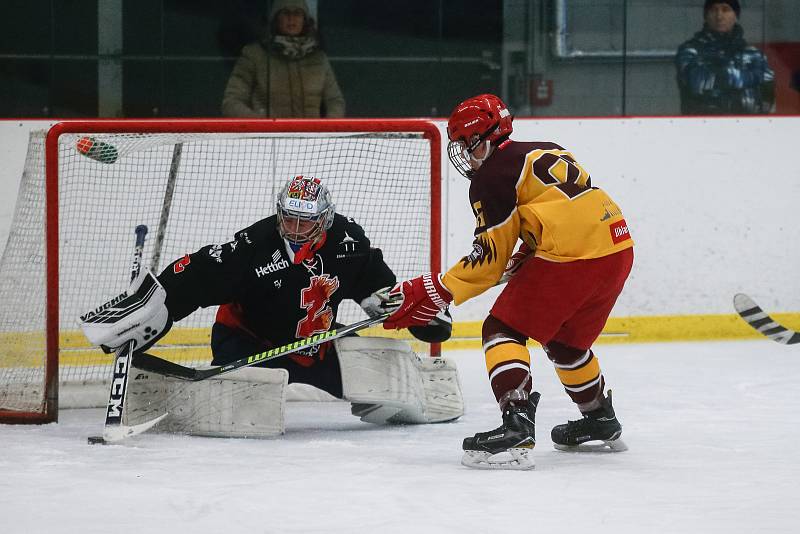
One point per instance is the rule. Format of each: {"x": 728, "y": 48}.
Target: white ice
{"x": 712, "y": 429}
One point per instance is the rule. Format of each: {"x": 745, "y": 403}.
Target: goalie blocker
{"x": 385, "y": 381}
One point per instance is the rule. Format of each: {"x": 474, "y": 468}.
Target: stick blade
{"x": 745, "y": 306}
{"x": 112, "y": 434}
{"x": 763, "y": 323}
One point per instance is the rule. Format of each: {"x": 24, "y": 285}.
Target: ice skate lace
{"x": 578, "y": 422}
{"x": 578, "y": 426}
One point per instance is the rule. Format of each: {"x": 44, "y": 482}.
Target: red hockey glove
{"x": 515, "y": 262}
{"x": 423, "y": 297}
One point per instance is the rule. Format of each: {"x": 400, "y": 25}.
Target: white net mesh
{"x": 213, "y": 184}
{"x": 22, "y": 286}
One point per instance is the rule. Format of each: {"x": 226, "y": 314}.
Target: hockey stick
{"x": 166, "y": 206}
{"x": 148, "y": 362}
{"x": 114, "y": 430}
{"x": 755, "y": 317}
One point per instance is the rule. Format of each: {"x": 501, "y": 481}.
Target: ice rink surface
{"x": 712, "y": 430}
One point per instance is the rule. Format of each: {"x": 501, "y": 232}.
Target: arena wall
{"x": 712, "y": 205}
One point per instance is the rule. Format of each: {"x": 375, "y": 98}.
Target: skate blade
{"x": 517, "y": 459}
{"x": 611, "y": 445}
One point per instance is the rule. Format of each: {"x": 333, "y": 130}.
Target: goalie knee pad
{"x": 387, "y": 383}
{"x": 248, "y": 402}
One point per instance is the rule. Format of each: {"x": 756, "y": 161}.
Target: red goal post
{"x": 193, "y": 182}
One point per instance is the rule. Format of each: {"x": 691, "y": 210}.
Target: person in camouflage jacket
{"x": 718, "y": 72}
{"x": 286, "y": 74}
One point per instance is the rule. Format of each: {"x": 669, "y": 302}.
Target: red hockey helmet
{"x": 475, "y": 120}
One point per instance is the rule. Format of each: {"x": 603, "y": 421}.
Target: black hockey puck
{"x": 94, "y": 440}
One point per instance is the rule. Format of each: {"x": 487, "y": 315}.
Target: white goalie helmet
{"x": 305, "y": 210}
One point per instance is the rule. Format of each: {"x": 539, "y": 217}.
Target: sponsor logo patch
{"x": 303, "y": 206}
{"x": 619, "y": 231}
{"x": 348, "y": 243}
{"x": 275, "y": 265}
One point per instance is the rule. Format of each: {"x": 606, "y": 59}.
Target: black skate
{"x": 598, "y": 425}
{"x": 510, "y": 445}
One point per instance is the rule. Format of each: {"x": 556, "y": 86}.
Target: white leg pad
{"x": 386, "y": 382}
{"x": 246, "y": 403}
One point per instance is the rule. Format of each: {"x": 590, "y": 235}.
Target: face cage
{"x": 289, "y": 226}
{"x": 458, "y": 155}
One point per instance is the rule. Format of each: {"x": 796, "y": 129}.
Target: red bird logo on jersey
{"x": 314, "y": 299}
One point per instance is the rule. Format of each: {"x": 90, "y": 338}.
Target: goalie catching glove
{"x": 424, "y": 297}
{"x": 139, "y": 314}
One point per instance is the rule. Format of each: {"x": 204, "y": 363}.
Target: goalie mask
{"x": 481, "y": 121}
{"x": 305, "y": 210}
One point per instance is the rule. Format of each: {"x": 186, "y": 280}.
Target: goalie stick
{"x": 148, "y": 362}
{"x": 114, "y": 430}
{"x": 758, "y": 319}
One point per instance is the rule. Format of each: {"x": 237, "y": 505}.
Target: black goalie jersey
{"x": 261, "y": 291}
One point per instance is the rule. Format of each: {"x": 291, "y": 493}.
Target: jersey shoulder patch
{"x": 347, "y": 237}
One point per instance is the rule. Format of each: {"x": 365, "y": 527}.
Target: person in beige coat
{"x": 286, "y": 74}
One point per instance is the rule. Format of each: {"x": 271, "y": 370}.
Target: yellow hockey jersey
{"x": 536, "y": 192}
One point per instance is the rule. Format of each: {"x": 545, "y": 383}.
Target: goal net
{"x": 192, "y": 183}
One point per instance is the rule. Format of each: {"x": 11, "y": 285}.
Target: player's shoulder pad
{"x": 503, "y": 166}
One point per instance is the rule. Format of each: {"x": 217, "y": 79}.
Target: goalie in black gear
{"x": 282, "y": 279}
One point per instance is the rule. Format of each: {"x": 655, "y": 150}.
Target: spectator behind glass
{"x": 286, "y": 74}
{"x": 718, "y": 72}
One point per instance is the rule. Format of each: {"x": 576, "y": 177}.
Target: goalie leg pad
{"x": 443, "y": 398}
{"x": 247, "y": 403}
{"x": 387, "y": 383}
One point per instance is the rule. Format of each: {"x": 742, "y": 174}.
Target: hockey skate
{"x": 600, "y": 425}
{"x": 508, "y": 446}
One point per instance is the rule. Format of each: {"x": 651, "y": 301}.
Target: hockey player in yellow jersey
{"x": 563, "y": 281}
